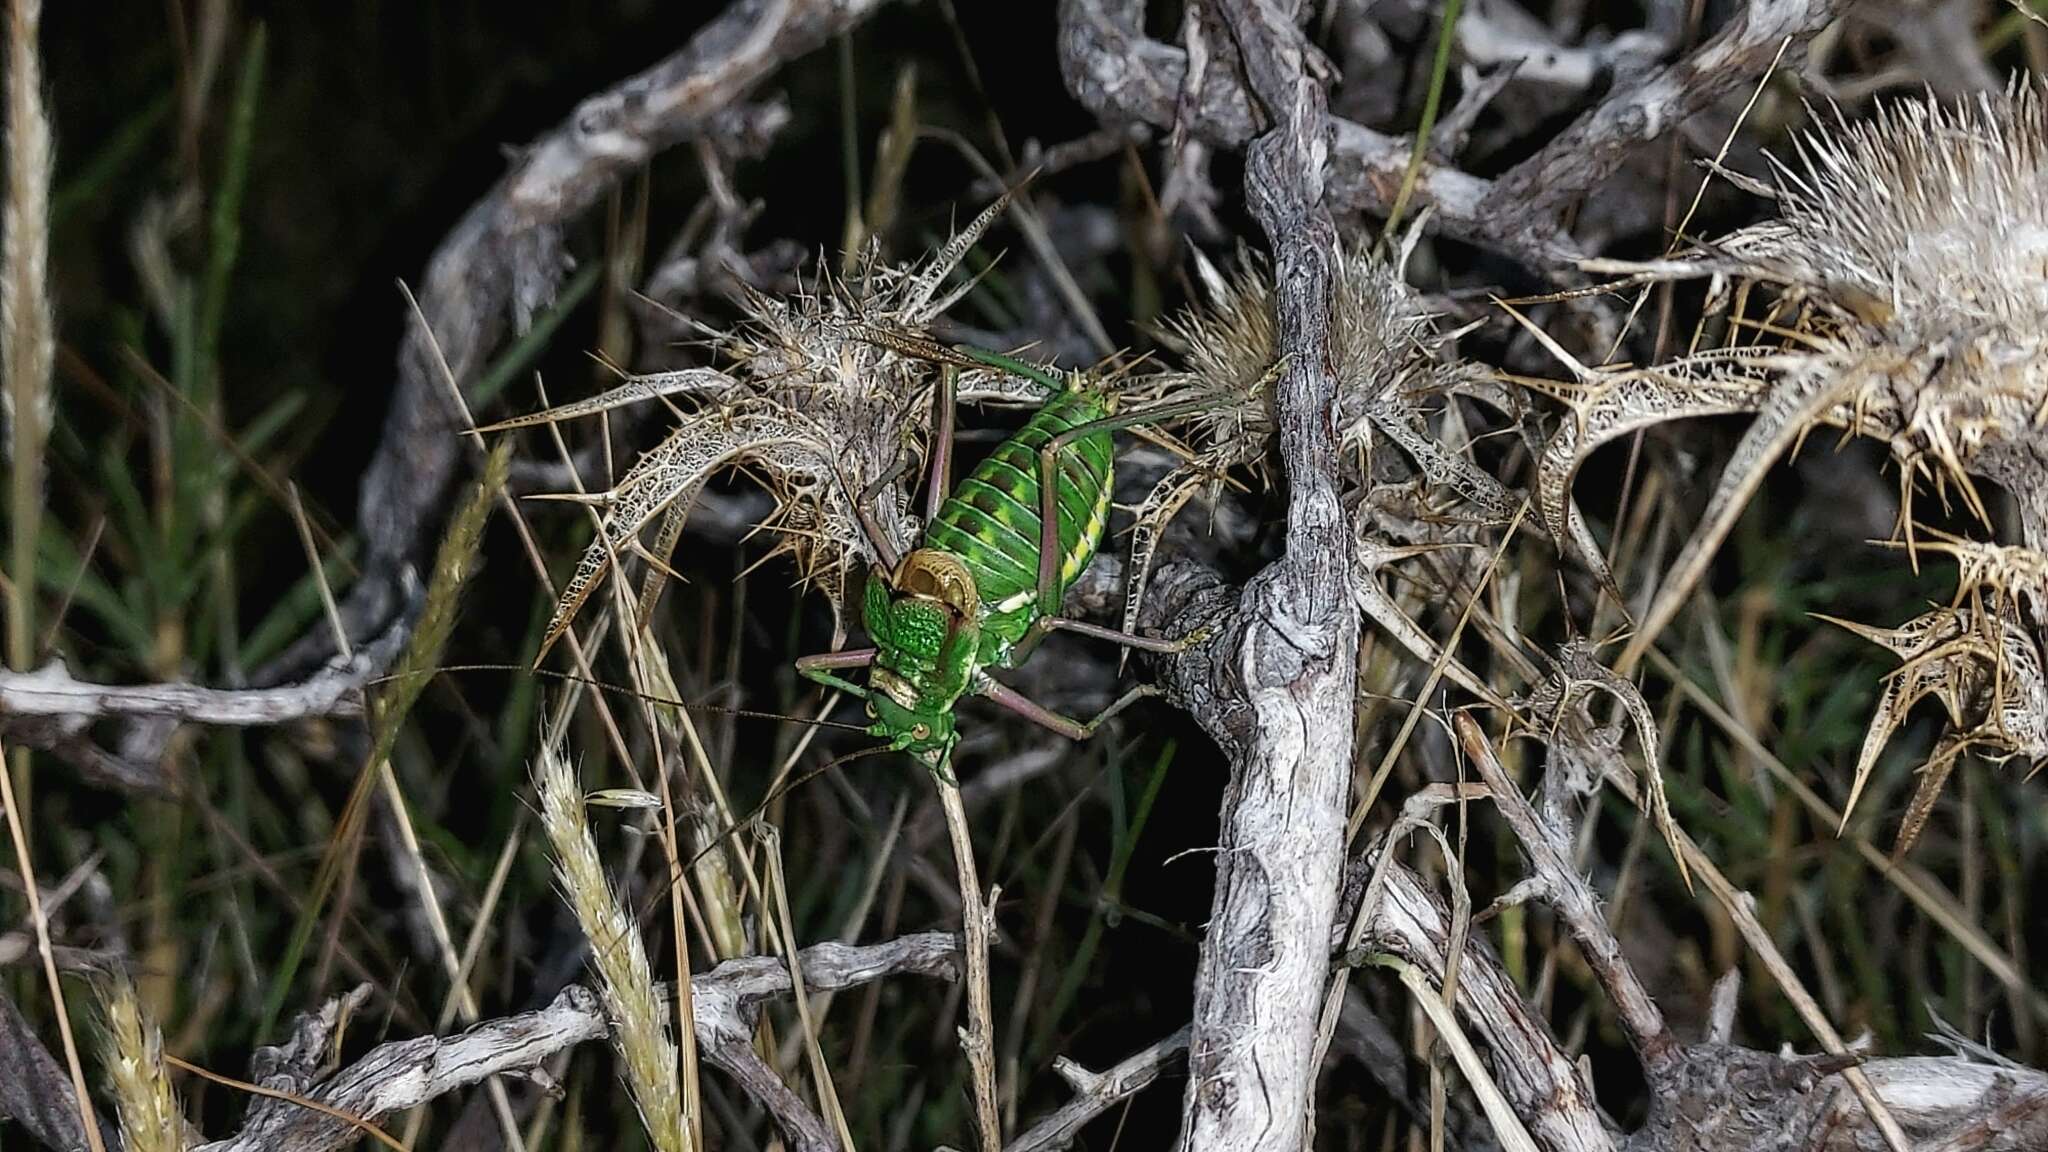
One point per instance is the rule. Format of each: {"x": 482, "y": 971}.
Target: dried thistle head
{"x": 810, "y": 407}
{"x": 1907, "y": 300}
{"x": 1919, "y": 240}
{"x": 1986, "y": 671}
{"x": 1228, "y": 346}
{"x": 133, "y": 1053}
{"x": 1910, "y": 263}
{"x": 1384, "y": 352}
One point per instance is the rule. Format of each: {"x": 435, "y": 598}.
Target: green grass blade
{"x": 95, "y": 181}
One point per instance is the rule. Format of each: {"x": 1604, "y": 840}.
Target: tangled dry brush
{"x": 1367, "y": 534}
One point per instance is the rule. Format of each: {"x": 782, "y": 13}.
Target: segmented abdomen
{"x": 991, "y": 522}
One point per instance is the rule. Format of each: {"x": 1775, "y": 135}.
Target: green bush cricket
{"x": 999, "y": 553}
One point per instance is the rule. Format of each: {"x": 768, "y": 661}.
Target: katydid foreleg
{"x": 940, "y": 481}
{"x": 822, "y": 668}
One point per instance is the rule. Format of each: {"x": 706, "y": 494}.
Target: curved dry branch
{"x": 1122, "y": 75}
{"x": 502, "y": 264}
{"x": 51, "y": 710}
{"x": 407, "y": 1073}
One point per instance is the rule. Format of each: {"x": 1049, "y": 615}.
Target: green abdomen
{"x": 991, "y": 521}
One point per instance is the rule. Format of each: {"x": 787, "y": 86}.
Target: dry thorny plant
{"x": 1903, "y": 299}
{"x": 825, "y": 415}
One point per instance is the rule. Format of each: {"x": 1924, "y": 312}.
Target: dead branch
{"x": 1120, "y": 74}
{"x": 1529, "y": 1065}
{"x": 1098, "y": 1092}
{"x": 408, "y": 1073}
{"x": 1723, "y": 1097}
{"x": 1585, "y": 154}
{"x": 503, "y": 262}
{"x": 1275, "y": 688}
{"x": 35, "y": 1090}
{"x": 1555, "y": 881}
{"x": 52, "y": 710}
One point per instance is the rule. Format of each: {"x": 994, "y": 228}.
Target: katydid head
{"x": 924, "y": 619}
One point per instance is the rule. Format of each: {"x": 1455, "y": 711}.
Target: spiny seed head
{"x": 1936, "y": 213}
{"x": 1913, "y": 250}
{"x": 1381, "y": 340}
{"x": 815, "y": 409}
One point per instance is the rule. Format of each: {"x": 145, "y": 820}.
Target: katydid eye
{"x": 921, "y": 732}
{"x": 871, "y": 709}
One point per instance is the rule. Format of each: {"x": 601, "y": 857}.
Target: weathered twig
{"x": 1532, "y": 1070}
{"x": 1097, "y": 1092}
{"x": 1726, "y": 1098}
{"x": 1120, "y": 74}
{"x": 1557, "y": 882}
{"x": 407, "y": 1073}
{"x": 1592, "y": 148}
{"x": 54, "y": 711}
{"x": 977, "y": 1039}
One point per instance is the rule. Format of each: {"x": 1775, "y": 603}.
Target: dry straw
{"x": 27, "y": 323}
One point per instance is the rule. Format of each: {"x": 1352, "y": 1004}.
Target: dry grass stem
{"x": 977, "y": 920}
{"x": 28, "y": 336}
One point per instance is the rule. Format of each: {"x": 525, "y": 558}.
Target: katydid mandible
{"x": 998, "y": 555}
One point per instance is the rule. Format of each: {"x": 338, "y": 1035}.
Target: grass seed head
{"x": 647, "y": 1054}
{"x": 133, "y": 1052}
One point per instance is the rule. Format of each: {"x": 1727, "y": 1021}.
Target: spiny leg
{"x": 941, "y": 480}
{"x": 821, "y": 668}
{"x": 1117, "y": 636}
{"x": 1046, "y": 718}
{"x": 863, "y": 503}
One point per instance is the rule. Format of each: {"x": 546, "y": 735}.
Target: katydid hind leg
{"x": 1156, "y": 644}
{"x": 1046, "y": 718}
{"x": 1048, "y": 491}
{"x": 1046, "y": 625}
{"x": 940, "y": 483}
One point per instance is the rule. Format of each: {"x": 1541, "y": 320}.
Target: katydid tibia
{"x": 999, "y": 553}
